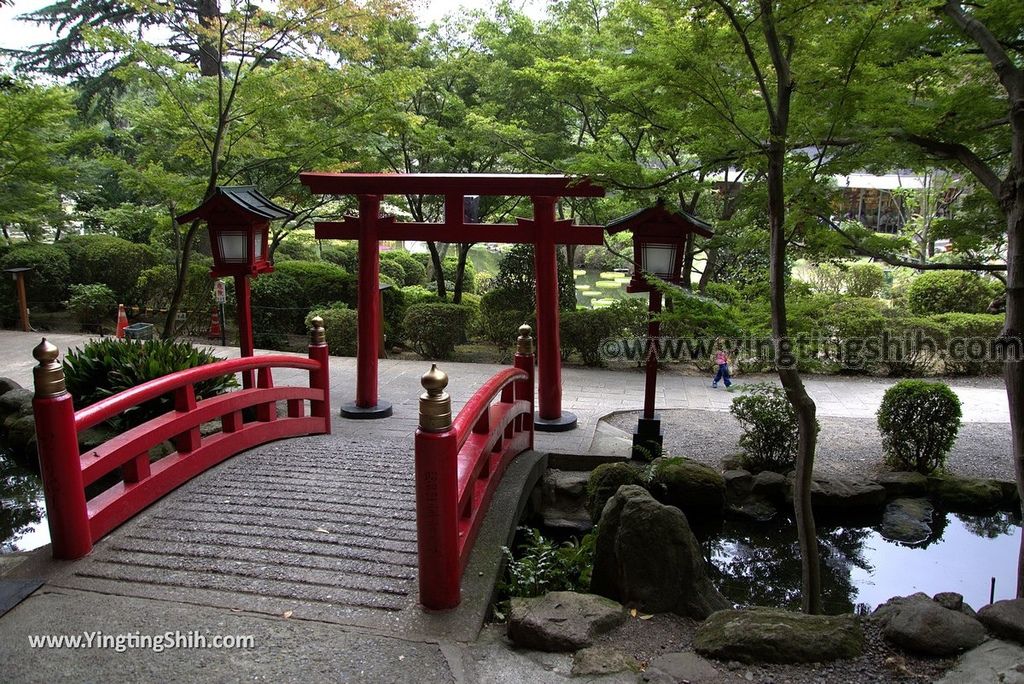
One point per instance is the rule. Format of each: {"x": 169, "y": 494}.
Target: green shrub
{"x": 340, "y": 326}
{"x": 281, "y": 300}
{"x": 105, "y": 367}
{"x": 393, "y": 270}
{"x": 156, "y": 285}
{"x": 497, "y": 324}
{"x": 917, "y": 344}
{"x": 849, "y": 323}
{"x": 723, "y": 292}
{"x": 484, "y": 282}
{"x": 864, "y": 280}
{"x": 435, "y": 329}
{"x": 605, "y": 480}
{"x": 541, "y": 565}
{"x": 517, "y": 279}
{"x": 111, "y": 261}
{"x": 345, "y": 254}
{"x": 417, "y": 294}
{"x": 770, "y": 438}
{"x": 826, "y": 278}
{"x": 919, "y": 422}
{"x": 583, "y": 330}
{"x": 939, "y": 292}
{"x": 296, "y": 247}
{"x": 450, "y": 266}
{"x": 395, "y": 307}
{"x": 414, "y": 273}
{"x": 91, "y": 304}
{"x": 47, "y": 284}
{"x": 960, "y": 326}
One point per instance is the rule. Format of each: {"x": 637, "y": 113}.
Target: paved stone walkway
{"x": 322, "y": 530}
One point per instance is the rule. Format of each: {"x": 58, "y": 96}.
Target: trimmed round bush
{"x": 864, "y": 280}
{"x": 919, "y": 422}
{"x": 414, "y": 273}
{"x": 156, "y": 286}
{"x": 296, "y": 246}
{"x": 770, "y": 433}
{"x": 345, "y": 255}
{"x": 435, "y": 329}
{"x": 583, "y": 330}
{"x": 393, "y": 270}
{"x": 497, "y": 322}
{"x": 968, "y": 335}
{"x": 281, "y": 300}
{"x": 605, "y": 480}
{"x": 46, "y": 285}
{"x": 939, "y": 292}
{"x": 450, "y": 266}
{"x": 339, "y": 327}
{"x": 418, "y": 294}
{"x": 109, "y": 260}
{"x": 91, "y": 304}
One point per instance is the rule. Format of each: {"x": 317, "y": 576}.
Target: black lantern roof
{"x": 661, "y": 217}
{"x": 232, "y": 199}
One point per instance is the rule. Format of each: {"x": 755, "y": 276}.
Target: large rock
{"x": 600, "y": 660}
{"x": 903, "y": 483}
{"x": 694, "y": 488}
{"x": 907, "y": 520}
{"x": 561, "y": 620}
{"x": 605, "y": 480}
{"x": 993, "y": 661}
{"x": 6, "y": 385}
{"x": 682, "y": 667}
{"x": 738, "y": 483}
{"x": 776, "y": 636}
{"x": 753, "y": 508}
{"x": 841, "y": 494}
{"x": 646, "y": 554}
{"x": 1005, "y": 619}
{"x": 770, "y": 485}
{"x": 965, "y": 494}
{"x": 17, "y": 402}
{"x": 563, "y": 501}
{"x": 926, "y": 628}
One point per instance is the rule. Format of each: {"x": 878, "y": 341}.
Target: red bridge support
{"x": 77, "y": 523}
{"x": 459, "y": 465}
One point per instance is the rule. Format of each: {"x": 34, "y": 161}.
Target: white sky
{"x": 21, "y": 34}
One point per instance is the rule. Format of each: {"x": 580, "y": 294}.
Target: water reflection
{"x": 22, "y": 510}
{"x": 759, "y": 564}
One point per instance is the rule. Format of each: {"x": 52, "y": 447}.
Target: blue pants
{"x": 723, "y": 374}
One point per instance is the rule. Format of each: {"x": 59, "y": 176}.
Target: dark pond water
{"x": 22, "y": 509}
{"x": 759, "y": 564}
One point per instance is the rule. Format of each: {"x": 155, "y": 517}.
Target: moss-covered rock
{"x": 966, "y": 494}
{"x": 766, "y": 635}
{"x": 694, "y": 488}
{"x": 605, "y": 480}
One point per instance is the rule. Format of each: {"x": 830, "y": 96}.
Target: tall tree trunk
{"x": 209, "y": 52}
{"x": 1013, "y": 371}
{"x": 435, "y": 259}
{"x": 687, "y": 275}
{"x": 460, "y": 271}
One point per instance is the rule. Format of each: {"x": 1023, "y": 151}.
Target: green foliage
{"x": 345, "y": 255}
{"x": 496, "y": 323}
{"x": 583, "y": 330}
{"x": 827, "y": 278}
{"x": 413, "y": 272}
{"x": 723, "y": 292}
{"x": 921, "y": 339}
{"x": 156, "y": 285}
{"x": 109, "y": 260}
{"x": 47, "y": 284}
{"x": 540, "y": 565}
{"x": 450, "y": 266}
{"x": 435, "y": 329}
{"x": 393, "y": 270}
{"x": 517, "y": 279}
{"x": 282, "y": 299}
{"x": 919, "y": 422}
{"x": 417, "y": 294}
{"x": 295, "y": 247}
{"x": 91, "y": 304}
{"x": 939, "y": 292}
{"x": 982, "y": 328}
{"x": 770, "y": 438}
{"x": 864, "y": 280}
{"x": 105, "y": 367}
{"x": 340, "y": 327}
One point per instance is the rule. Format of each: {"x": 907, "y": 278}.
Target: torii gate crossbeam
{"x": 543, "y": 230}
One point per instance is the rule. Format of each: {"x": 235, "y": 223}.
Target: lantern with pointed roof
{"x": 238, "y": 218}
{"x": 659, "y": 242}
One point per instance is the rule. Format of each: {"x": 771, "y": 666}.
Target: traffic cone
{"x": 214, "y": 325}
{"x": 122, "y": 321}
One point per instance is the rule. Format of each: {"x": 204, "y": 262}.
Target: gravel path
{"x": 845, "y": 445}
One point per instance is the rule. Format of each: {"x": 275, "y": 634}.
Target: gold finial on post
{"x": 49, "y": 374}
{"x": 317, "y": 334}
{"x": 525, "y": 341}
{"x": 435, "y": 404}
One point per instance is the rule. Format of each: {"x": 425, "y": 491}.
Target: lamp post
{"x": 659, "y": 245}
{"x": 238, "y": 220}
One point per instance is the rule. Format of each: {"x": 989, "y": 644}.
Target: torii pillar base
{"x": 356, "y": 412}
{"x": 563, "y": 423}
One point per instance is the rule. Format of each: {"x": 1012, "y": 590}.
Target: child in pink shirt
{"x": 722, "y": 361}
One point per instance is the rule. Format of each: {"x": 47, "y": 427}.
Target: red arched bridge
{"x": 458, "y": 465}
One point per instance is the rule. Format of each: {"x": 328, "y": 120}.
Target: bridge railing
{"x": 459, "y": 464}
{"x": 76, "y": 522}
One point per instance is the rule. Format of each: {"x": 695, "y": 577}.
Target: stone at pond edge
{"x": 694, "y": 488}
{"x": 563, "y": 502}
{"x": 1005, "y": 619}
{"x": 907, "y": 520}
{"x": 738, "y": 483}
{"x": 753, "y": 508}
{"x": 599, "y": 660}
{"x": 843, "y": 494}
{"x": 926, "y": 628}
{"x": 16, "y": 401}
{"x": 965, "y": 494}
{"x": 561, "y": 620}
{"x": 903, "y": 483}
{"x": 646, "y": 554}
{"x": 770, "y": 485}
{"x": 993, "y": 661}
{"x": 6, "y": 385}
{"x": 605, "y": 480}
{"x": 776, "y": 636}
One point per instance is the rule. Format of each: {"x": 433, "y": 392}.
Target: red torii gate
{"x": 544, "y": 231}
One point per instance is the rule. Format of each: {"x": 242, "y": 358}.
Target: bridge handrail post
{"x": 59, "y": 460}
{"x": 437, "y": 526}
{"x": 321, "y": 377}
{"x": 524, "y": 360}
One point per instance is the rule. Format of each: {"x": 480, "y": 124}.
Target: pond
{"x": 759, "y": 564}
{"x": 22, "y": 509}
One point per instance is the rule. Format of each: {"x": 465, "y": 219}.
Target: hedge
{"x": 435, "y": 329}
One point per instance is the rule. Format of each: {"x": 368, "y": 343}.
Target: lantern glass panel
{"x": 660, "y": 260}
{"x": 260, "y": 236}
{"x": 234, "y": 248}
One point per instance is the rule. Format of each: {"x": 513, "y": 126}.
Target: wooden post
{"x": 321, "y": 378}
{"x": 19, "y": 278}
